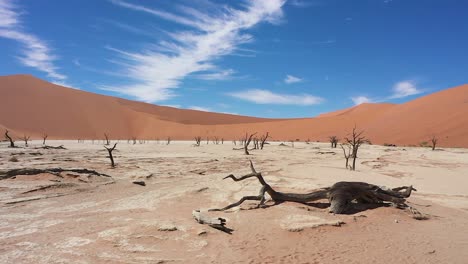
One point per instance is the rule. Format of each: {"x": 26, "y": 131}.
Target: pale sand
{"x": 96, "y": 221}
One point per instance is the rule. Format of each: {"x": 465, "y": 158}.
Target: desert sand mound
{"x": 31, "y": 106}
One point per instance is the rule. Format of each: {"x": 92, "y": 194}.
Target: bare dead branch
{"x": 12, "y": 142}
{"x": 434, "y": 140}
{"x": 334, "y": 141}
{"x": 6, "y": 174}
{"x": 355, "y": 140}
{"x": 197, "y": 141}
{"x": 246, "y": 141}
{"x": 107, "y": 141}
{"x": 51, "y": 147}
{"x": 347, "y": 153}
{"x": 110, "y": 154}
{"x": 26, "y": 139}
{"x": 44, "y": 137}
{"x": 343, "y": 196}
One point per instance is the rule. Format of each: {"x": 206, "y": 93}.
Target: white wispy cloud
{"x": 172, "y": 105}
{"x": 200, "y": 108}
{"x": 304, "y": 3}
{"x": 292, "y": 79}
{"x": 404, "y": 89}
{"x": 259, "y": 96}
{"x": 221, "y": 75}
{"x": 357, "y": 100}
{"x": 35, "y": 52}
{"x": 162, "y": 66}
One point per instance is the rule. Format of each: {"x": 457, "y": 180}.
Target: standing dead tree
{"x": 263, "y": 140}
{"x": 343, "y": 196}
{"x": 110, "y": 154}
{"x": 355, "y": 140}
{"x": 26, "y": 139}
{"x": 234, "y": 142}
{"x": 333, "y": 140}
{"x": 216, "y": 140}
{"x": 12, "y": 142}
{"x": 347, "y": 153}
{"x": 44, "y": 137}
{"x": 168, "y": 141}
{"x": 434, "y": 142}
{"x": 134, "y": 140}
{"x": 256, "y": 143}
{"x": 245, "y": 143}
{"x": 197, "y": 141}
{"x": 107, "y": 142}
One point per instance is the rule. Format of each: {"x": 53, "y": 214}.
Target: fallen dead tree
{"x": 51, "y": 147}
{"x": 343, "y": 196}
{"x": 6, "y": 174}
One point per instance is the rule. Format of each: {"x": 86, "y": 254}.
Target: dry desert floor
{"x": 81, "y": 218}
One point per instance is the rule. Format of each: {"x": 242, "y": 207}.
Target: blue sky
{"x": 269, "y": 58}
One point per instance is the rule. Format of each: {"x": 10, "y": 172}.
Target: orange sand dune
{"x": 32, "y": 106}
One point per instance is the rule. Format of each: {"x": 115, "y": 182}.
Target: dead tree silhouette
{"x": 110, "y": 154}
{"x": 342, "y": 196}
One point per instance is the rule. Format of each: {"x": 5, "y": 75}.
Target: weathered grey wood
{"x": 6, "y": 174}
{"x": 215, "y": 222}
{"x": 341, "y": 195}
{"x": 110, "y": 154}
{"x": 51, "y": 147}
{"x": 12, "y": 143}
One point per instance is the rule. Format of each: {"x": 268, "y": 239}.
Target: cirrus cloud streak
{"x": 260, "y": 96}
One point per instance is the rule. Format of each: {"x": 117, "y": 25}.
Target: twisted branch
{"x": 341, "y": 195}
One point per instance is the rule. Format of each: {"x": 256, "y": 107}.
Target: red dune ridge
{"x": 31, "y": 106}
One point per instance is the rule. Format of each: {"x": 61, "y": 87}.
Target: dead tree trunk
{"x": 247, "y": 141}
{"x": 168, "y": 141}
{"x": 197, "y": 141}
{"x": 134, "y": 140}
{"x": 256, "y": 143}
{"x": 434, "y": 142}
{"x": 355, "y": 141}
{"x": 263, "y": 140}
{"x": 26, "y": 139}
{"x": 110, "y": 154}
{"x": 347, "y": 153}
{"x": 12, "y": 143}
{"x": 342, "y": 195}
{"x": 45, "y": 136}
{"x": 107, "y": 142}
{"x": 333, "y": 140}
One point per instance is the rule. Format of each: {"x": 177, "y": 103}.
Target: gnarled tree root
{"x": 342, "y": 195}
